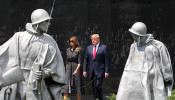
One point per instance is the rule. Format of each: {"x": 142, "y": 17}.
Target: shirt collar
{"x": 97, "y": 45}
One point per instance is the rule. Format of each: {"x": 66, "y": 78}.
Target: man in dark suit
{"x": 97, "y": 59}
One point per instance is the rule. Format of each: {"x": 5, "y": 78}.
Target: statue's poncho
{"x": 23, "y": 50}
{"x": 148, "y": 73}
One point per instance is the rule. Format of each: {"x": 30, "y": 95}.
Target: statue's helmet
{"x": 139, "y": 28}
{"x": 39, "y": 15}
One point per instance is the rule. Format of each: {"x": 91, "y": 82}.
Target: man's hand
{"x": 85, "y": 74}
{"x": 106, "y": 75}
{"x": 66, "y": 66}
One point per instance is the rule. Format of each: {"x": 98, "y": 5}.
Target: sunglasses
{"x": 71, "y": 41}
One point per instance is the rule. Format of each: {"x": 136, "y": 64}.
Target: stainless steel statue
{"x": 31, "y": 64}
{"x": 148, "y": 73}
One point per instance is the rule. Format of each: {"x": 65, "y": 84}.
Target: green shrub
{"x": 173, "y": 96}
{"x": 111, "y": 97}
{"x": 66, "y": 99}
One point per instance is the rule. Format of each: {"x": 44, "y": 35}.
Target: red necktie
{"x": 94, "y": 53}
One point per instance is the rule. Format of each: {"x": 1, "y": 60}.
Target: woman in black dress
{"x": 73, "y": 68}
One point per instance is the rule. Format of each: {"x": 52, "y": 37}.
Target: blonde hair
{"x": 97, "y": 35}
{"x": 77, "y": 44}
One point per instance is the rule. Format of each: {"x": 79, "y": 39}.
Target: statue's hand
{"x": 38, "y": 75}
{"x": 42, "y": 74}
{"x": 46, "y": 73}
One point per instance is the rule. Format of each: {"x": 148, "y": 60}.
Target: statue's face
{"x": 43, "y": 26}
{"x": 135, "y": 37}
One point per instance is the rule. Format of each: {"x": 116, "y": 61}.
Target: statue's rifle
{"x": 39, "y": 82}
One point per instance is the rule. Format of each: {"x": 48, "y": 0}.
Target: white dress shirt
{"x": 96, "y": 47}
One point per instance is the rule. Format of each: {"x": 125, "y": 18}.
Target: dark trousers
{"x": 97, "y": 87}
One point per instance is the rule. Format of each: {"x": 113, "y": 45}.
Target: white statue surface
{"x": 31, "y": 64}
{"x": 148, "y": 73}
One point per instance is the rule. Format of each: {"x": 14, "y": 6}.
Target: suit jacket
{"x": 101, "y": 63}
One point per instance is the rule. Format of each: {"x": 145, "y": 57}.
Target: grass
{"x": 111, "y": 97}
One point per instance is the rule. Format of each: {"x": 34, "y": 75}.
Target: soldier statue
{"x": 31, "y": 64}
{"x": 148, "y": 73}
